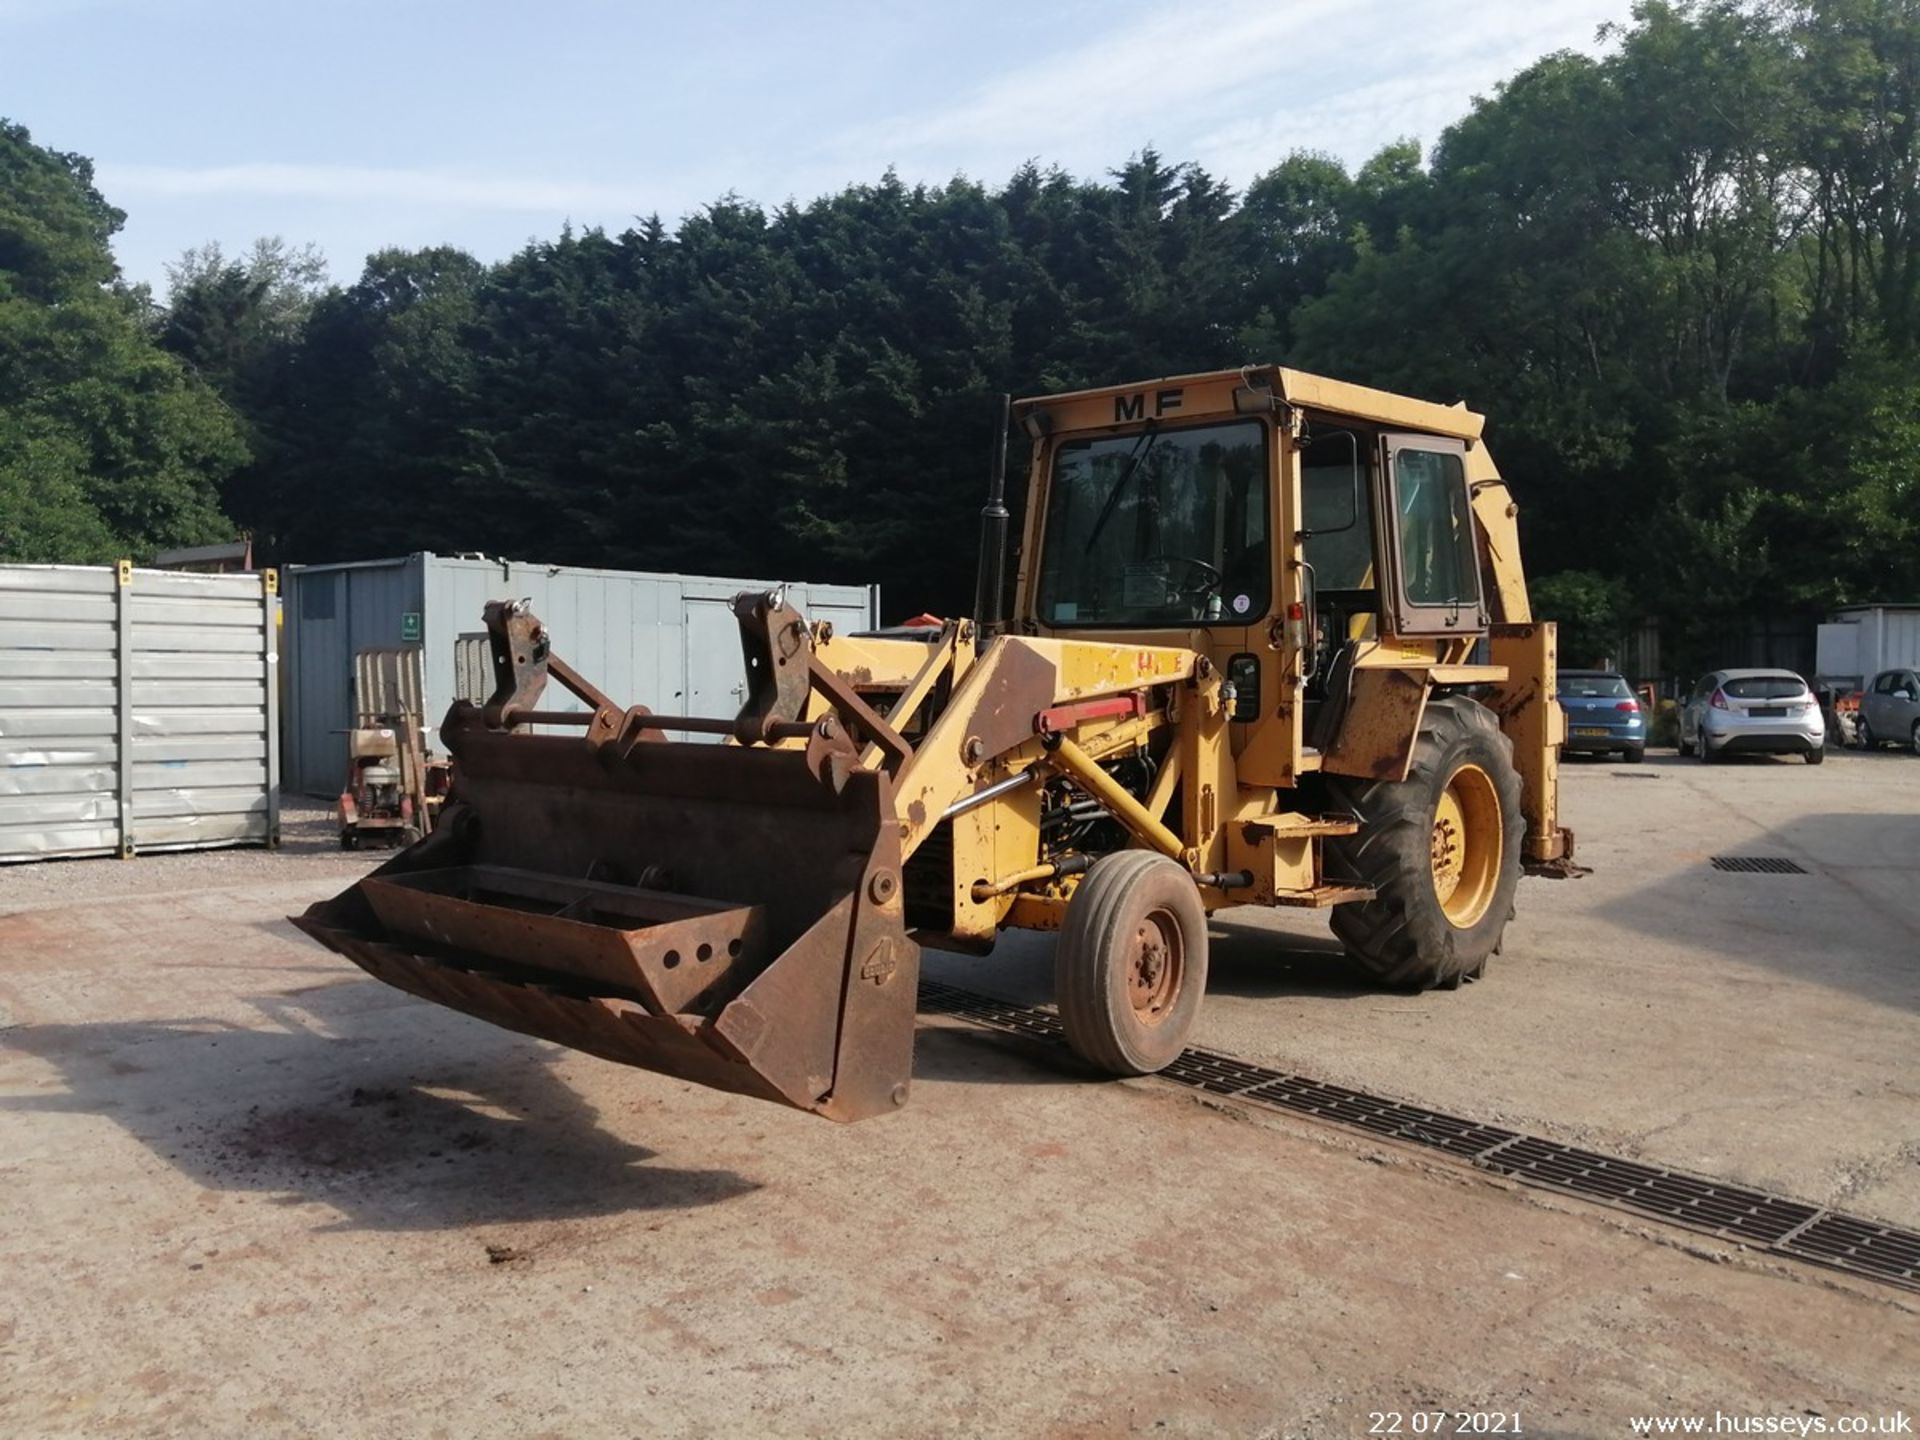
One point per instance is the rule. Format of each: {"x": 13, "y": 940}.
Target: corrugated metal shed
{"x": 668, "y": 641}
{"x": 136, "y": 711}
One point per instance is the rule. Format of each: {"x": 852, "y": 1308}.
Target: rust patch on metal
{"x": 1003, "y": 718}
{"x": 1381, "y": 724}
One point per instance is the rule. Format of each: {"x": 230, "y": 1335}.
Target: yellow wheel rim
{"x": 1467, "y": 846}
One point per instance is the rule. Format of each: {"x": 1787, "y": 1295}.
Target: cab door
{"x": 1429, "y": 544}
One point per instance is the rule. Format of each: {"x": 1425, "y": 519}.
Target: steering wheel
{"x": 1201, "y": 578}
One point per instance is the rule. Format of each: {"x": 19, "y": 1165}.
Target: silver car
{"x": 1890, "y": 710}
{"x": 1734, "y": 712}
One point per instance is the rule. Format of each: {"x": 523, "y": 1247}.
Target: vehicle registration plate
{"x": 1769, "y": 712}
{"x": 1587, "y": 730}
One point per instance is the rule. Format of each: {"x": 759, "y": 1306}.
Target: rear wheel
{"x": 1131, "y": 965}
{"x": 1817, "y": 755}
{"x": 1440, "y": 849}
{"x": 1633, "y": 754}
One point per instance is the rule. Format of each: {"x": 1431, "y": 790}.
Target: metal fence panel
{"x": 137, "y": 711}
{"x": 386, "y": 682}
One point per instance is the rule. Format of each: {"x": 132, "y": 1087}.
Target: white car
{"x": 1733, "y": 712}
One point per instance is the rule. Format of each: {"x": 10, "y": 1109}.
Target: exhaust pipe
{"x": 990, "y": 589}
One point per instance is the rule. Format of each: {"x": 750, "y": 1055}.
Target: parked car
{"x": 1752, "y": 711}
{"x": 1890, "y": 710}
{"x": 1603, "y": 715}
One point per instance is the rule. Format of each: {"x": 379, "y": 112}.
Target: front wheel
{"x": 1440, "y": 850}
{"x": 1865, "y": 733}
{"x": 1131, "y": 964}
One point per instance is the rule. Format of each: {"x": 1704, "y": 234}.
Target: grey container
{"x": 136, "y": 711}
{"x": 665, "y": 641}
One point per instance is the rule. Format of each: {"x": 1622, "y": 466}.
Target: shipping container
{"x": 1859, "y": 641}
{"x": 138, "y": 711}
{"x": 665, "y": 641}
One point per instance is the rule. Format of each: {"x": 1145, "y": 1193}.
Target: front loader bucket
{"x": 731, "y": 915}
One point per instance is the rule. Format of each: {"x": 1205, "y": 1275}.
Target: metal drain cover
{"x": 1854, "y": 1244}
{"x": 1757, "y": 865}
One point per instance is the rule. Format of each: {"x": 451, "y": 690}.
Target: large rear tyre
{"x": 1441, "y": 850}
{"x": 1131, "y": 965}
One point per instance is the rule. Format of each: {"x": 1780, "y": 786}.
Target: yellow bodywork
{"x": 1237, "y": 813}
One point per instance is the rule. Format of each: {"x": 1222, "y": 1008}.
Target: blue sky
{"x": 355, "y": 124}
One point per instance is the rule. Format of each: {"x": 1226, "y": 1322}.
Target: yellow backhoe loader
{"x": 1269, "y": 644}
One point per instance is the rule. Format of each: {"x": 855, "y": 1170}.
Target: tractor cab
{"x": 1292, "y": 528}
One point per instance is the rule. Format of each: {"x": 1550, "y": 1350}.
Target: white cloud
{"x": 363, "y": 185}
{"x": 1135, "y": 76}
{"x": 1237, "y": 87}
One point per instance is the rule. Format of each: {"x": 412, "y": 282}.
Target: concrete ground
{"x": 1764, "y": 1028}
{"x": 251, "y": 1191}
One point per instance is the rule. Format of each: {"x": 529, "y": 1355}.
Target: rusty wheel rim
{"x": 1156, "y": 967}
{"x": 1467, "y": 846}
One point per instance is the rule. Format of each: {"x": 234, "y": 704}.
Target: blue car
{"x": 1603, "y": 718}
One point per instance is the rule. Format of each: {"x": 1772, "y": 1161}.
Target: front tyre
{"x": 1131, "y": 964}
{"x": 1440, "y": 849}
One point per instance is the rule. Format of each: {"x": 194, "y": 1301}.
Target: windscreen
{"x": 1159, "y": 527}
{"x": 1594, "y": 687}
{"x": 1764, "y": 687}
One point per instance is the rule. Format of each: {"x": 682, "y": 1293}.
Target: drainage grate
{"x": 1757, "y": 864}
{"x": 1860, "y": 1247}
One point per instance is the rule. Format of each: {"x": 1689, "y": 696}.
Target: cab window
{"x": 1163, "y": 526}
{"x": 1436, "y": 534}
{"x": 1339, "y": 512}
{"x": 1432, "y": 547}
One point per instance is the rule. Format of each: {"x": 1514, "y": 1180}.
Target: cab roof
{"x": 1293, "y": 387}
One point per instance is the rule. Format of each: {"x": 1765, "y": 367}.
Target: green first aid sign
{"x": 410, "y": 625}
